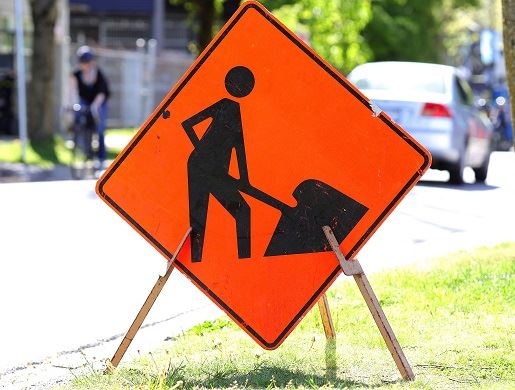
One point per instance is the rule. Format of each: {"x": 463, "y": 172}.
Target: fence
{"x": 138, "y": 81}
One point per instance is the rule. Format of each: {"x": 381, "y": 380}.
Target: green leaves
{"x": 331, "y": 27}
{"x": 349, "y": 32}
{"x": 403, "y": 30}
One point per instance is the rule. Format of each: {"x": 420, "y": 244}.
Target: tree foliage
{"x": 332, "y": 27}
{"x": 409, "y": 30}
{"x": 349, "y": 32}
{"x": 463, "y": 28}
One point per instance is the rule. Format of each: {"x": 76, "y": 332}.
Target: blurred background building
{"x": 118, "y": 24}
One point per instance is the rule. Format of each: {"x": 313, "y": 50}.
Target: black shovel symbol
{"x": 299, "y": 229}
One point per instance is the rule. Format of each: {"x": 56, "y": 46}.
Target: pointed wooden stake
{"x": 327, "y": 320}
{"x": 353, "y": 267}
{"x": 142, "y": 314}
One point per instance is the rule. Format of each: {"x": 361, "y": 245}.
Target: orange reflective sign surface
{"x": 258, "y": 146}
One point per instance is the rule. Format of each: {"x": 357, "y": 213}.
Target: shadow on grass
{"x": 330, "y": 359}
{"x": 260, "y": 378}
{"x": 271, "y": 377}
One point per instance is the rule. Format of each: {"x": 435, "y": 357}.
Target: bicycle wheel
{"x": 81, "y": 164}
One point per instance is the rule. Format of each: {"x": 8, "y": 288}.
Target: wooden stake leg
{"x": 354, "y": 268}
{"x": 138, "y": 321}
{"x": 327, "y": 320}
{"x": 384, "y": 326}
{"x": 142, "y": 314}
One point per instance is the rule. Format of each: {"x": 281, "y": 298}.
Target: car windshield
{"x": 399, "y": 78}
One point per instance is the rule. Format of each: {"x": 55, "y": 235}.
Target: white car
{"x": 436, "y": 106}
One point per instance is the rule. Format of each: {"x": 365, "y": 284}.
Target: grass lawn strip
{"x": 51, "y": 151}
{"x": 453, "y": 317}
{"x": 44, "y": 153}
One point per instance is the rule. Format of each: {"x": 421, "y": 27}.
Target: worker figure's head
{"x": 239, "y": 81}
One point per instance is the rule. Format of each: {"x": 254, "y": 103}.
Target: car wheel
{"x": 482, "y": 171}
{"x": 456, "y": 172}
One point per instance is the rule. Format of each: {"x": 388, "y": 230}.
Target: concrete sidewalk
{"x": 18, "y": 172}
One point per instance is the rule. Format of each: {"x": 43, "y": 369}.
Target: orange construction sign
{"x": 258, "y": 146}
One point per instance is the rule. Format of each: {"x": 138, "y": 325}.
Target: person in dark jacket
{"x": 92, "y": 90}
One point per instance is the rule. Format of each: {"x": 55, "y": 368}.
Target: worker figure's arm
{"x": 242, "y": 159}
{"x": 190, "y": 123}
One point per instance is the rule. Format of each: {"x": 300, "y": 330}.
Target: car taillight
{"x": 436, "y": 110}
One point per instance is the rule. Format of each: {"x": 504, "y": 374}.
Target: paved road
{"x": 72, "y": 274}
{"x": 437, "y": 218}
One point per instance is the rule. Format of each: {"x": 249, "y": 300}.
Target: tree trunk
{"x": 41, "y": 96}
{"x": 229, "y": 8}
{"x": 206, "y": 16}
{"x": 508, "y": 17}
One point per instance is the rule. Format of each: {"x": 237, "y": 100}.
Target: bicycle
{"x": 82, "y": 163}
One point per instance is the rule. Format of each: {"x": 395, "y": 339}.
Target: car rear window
{"x": 399, "y": 78}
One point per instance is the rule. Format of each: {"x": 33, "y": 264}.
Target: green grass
{"x": 127, "y": 131}
{"x": 454, "y": 318}
{"x": 51, "y": 151}
{"x": 45, "y": 153}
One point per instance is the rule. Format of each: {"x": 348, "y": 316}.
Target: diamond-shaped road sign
{"x": 259, "y": 145}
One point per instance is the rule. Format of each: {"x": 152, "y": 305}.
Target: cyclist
{"x": 91, "y": 90}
